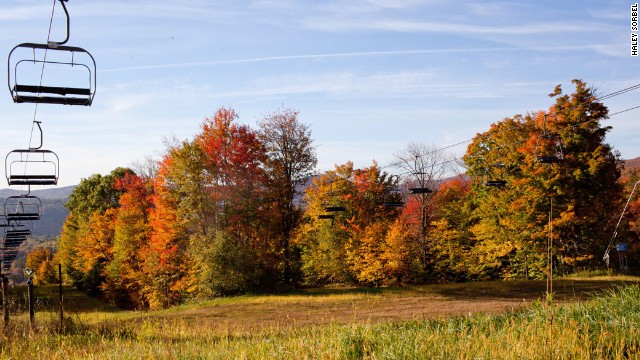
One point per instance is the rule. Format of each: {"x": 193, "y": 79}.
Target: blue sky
{"x": 369, "y": 77}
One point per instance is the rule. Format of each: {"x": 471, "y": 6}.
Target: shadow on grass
{"x": 563, "y": 289}
{"x": 47, "y": 298}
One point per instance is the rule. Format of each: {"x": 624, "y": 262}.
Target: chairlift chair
{"x": 393, "y": 198}
{"x": 549, "y": 146}
{"x": 490, "y": 178}
{"x": 15, "y": 237}
{"x": 23, "y": 75}
{"x": 22, "y": 208}
{"x": 549, "y": 149}
{"x": 8, "y": 258}
{"x": 71, "y": 73}
{"x": 33, "y": 166}
{"x": 392, "y": 201}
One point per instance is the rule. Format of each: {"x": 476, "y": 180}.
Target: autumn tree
{"x": 131, "y": 232}
{"x": 561, "y": 187}
{"x": 290, "y": 162}
{"x": 451, "y": 238}
{"x": 343, "y": 239}
{"x": 508, "y": 241}
{"x": 40, "y": 260}
{"x": 85, "y": 243}
{"x": 164, "y": 264}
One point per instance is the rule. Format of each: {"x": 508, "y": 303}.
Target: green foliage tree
{"x": 87, "y": 235}
{"x": 223, "y": 266}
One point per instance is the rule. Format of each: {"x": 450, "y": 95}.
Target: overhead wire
{"x": 44, "y": 60}
{"x": 606, "y": 96}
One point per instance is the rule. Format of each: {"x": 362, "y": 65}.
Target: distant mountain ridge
{"x": 52, "y": 212}
{"x": 53, "y": 193}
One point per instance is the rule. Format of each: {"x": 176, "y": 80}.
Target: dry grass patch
{"x": 345, "y": 306}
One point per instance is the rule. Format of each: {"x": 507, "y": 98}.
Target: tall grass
{"x": 607, "y": 327}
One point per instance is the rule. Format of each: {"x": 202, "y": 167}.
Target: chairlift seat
{"x": 393, "y": 204}
{"x": 548, "y": 159}
{"x": 335, "y": 208}
{"x": 50, "y": 100}
{"x": 23, "y": 217}
{"x": 62, "y": 91}
{"x": 22, "y": 208}
{"x": 32, "y": 180}
{"x": 15, "y": 240}
{"x": 420, "y": 190}
{"x": 16, "y": 236}
{"x": 326, "y": 216}
{"x": 21, "y": 231}
{"x": 13, "y": 243}
{"x": 497, "y": 183}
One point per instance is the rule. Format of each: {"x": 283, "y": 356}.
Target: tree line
{"x": 238, "y": 209}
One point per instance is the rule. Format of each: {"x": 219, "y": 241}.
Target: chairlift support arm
{"x": 55, "y": 44}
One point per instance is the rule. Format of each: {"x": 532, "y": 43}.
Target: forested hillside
{"x": 223, "y": 213}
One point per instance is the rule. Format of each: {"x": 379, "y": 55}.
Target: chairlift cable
{"x": 622, "y": 111}
{"x": 53, "y": 9}
{"x": 615, "y": 231}
{"x": 619, "y": 92}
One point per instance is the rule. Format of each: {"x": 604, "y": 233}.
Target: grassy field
{"x": 591, "y": 319}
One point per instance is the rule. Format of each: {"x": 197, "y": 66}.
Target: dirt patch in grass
{"x": 342, "y": 306}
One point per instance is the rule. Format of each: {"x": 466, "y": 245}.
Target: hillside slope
{"x": 631, "y": 165}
